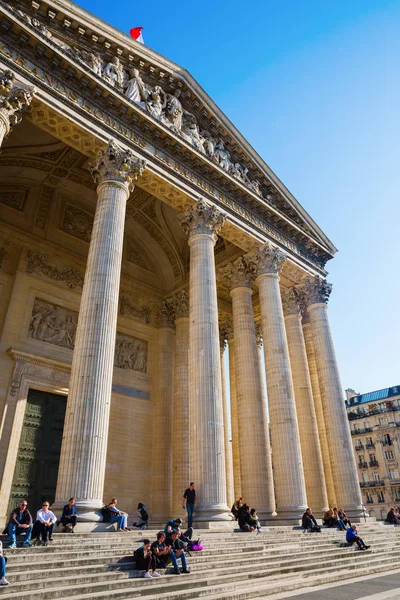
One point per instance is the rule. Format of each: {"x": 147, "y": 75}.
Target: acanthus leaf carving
{"x": 13, "y": 99}
{"x": 290, "y": 302}
{"x": 115, "y": 163}
{"x": 180, "y": 304}
{"x": 267, "y": 259}
{"x": 240, "y": 273}
{"x": 203, "y": 218}
{"x": 315, "y": 291}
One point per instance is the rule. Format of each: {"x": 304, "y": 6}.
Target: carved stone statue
{"x": 222, "y": 156}
{"x": 190, "y": 132}
{"x": 209, "y": 143}
{"x": 136, "y": 90}
{"x": 173, "y": 109}
{"x": 90, "y": 59}
{"x": 154, "y": 104}
{"x": 114, "y": 73}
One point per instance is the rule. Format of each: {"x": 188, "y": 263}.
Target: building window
{"x": 375, "y": 475}
{"x": 369, "y": 498}
{"x": 386, "y": 440}
{"x": 389, "y": 454}
{"x": 379, "y": 421}
{"x": 393, "y": 474}
{"x": 381, "y": 497}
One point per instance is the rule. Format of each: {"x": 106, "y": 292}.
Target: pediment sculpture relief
{"x": 161, "y": 104}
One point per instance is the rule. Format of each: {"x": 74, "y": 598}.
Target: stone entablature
{"x": 286, "y": 228}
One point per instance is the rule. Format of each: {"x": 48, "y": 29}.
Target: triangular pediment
{"x": 173, "y": 102}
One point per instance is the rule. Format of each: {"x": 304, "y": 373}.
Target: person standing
{"x": 20, "y": 522}
{"x": 190, "y": 497}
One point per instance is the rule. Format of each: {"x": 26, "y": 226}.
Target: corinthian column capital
{"x": 240, "y": 273}
{"x": 315, "y": 291}
{"x": 225, "y": 332}
{"x": 202, "y": 219}
{"x": 180, "y": 304}
{"x": 268, "y": 260}
{"x": 116, "y": 164}
{"x": 166, "y": 315}
{"x": 259, "y": 335}
{"x": 13, "y": 100}
{"x": 290, "y": 302}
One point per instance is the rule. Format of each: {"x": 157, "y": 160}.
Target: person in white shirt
{"x": 45, "y": 522}
{"x": 3, "y": 580}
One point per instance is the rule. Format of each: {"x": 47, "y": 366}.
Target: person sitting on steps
{"x": 329, "y": 518}
{"x": 161, "y": 551}
{"x": 236, "y": 508}
{"x": 111, "y": 514}
{"x": 177, "y": 551}
{"x": 142, "y": 518}
{"x": 391, "y": 518}
{"x": 44, "y": 525}
{"x": 244, "y": 519}
{"x": 342, "y": 515}
{"x": 352, "y": 536}
{"x": 309, "y": 522}
{"x": 254, "y": 520}
{"x": 68, "y": 517}
{"x": 339, "y": 522}
{"x": 20, "y": 521}
{"x": 3, "y": 580}
{"x": 145, "y": 560}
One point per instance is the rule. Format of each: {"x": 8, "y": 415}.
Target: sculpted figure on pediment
{"x": 154, "y": 105}
{"x": 209, "y": 143}
{"x": 136, "y": 90}
{"x": 114, "y": 73}
{"x": 92, "y": 60}
{"x": 173, "y": 109}
{"x": 222, "y": 156}
{"x": 190, "y": 132}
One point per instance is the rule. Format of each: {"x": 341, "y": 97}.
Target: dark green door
{"x": 36, "y": 469}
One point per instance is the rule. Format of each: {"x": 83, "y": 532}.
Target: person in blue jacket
{"x": 352, "y": 537}
{"x": 68, "y": 518}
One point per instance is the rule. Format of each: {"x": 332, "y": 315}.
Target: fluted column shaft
{"x": 205, "y": 394}
{"x": 311, "y": 451}
{"x": 290, "y": 490}
{"x": 344, "y": 468}
{"x": 163, "y": 427}
{"x": 237, "y": 485}
{"x": 326, "y": 458}
{"x": 230, "y": 496}
{"x": 250, "y": 407}
{"x": 180, "y": 443}
{"x": 84, "y": 446}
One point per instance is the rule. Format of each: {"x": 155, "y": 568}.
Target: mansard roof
{"x": 84, "y": 39}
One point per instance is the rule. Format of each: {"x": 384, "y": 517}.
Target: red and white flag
{"x": 136, "y": 34}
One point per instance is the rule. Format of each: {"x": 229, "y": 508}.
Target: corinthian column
{"x": 202, "y": 224}
{"x": 309, "y": 439}
{"x": 230, "y": 495}
{"x": 251, "y": 409}
{"x": 180, "y": 443}
{"x": 319, "y": 411}
{"x": 290, "y": 490}
{"x": 84, "y": 445}
{"x": 344, "y": 470}
{"x": 13, "y": 100}
{"x": 161, "y": 479}
{"x": 237, "y": 485}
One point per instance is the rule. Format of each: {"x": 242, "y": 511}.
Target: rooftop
{"x": 372, "y": 396}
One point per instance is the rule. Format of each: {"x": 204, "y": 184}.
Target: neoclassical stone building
{"x": 141, "y": 236}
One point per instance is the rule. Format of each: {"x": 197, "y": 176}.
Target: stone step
{"x": 193, "y": 586}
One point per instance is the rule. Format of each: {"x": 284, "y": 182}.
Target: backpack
{"x": 107, "y": 514}
{"x": 195, "y": 546}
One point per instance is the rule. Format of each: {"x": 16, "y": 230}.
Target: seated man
{"x": 111, "y": 514}
{"x": 161, "y": 551}
{"x": 172, "y": 525}
{"x": 44, "y": 525}
{"x": 20, "y": 522}
{"x": 68, "y": 517}
{"x": 352, "y": 536}
{"x": 392, "y": 518}
{"x": 309, "y": 522}
{"x": 144, "y": 559}
{"x": 244, "y": 519}
{"x": 176, "y": 552}
{"x": 3, "y": 580}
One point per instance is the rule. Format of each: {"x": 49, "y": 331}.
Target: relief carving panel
{"x": 77, "y": 222}
{"x": 13, "y": 197}
{"x": 130, "y": 353}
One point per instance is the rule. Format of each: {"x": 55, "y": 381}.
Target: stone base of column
{"x": 89, "y": 511}
{"x": 216, "y": 526}
{"x": 355, "y": 513}
{"x": 211, "y": 513}
{"x": 289, "y": 515}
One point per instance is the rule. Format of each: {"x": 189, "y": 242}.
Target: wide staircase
{"x": 232, "y": 565}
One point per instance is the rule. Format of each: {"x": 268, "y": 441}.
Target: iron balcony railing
{"x": 357, "y": 431}
{"x": 369, "y": 445}
{"x": 359, "y": 447}
{"x": 366, "y": 484}
{"x": 362, "y": 465}
{"x": 373, "y": 463}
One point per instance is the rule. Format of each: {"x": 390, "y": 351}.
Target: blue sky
{"x": 314, "y": 86}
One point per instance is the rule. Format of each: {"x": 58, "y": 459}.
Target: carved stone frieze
{"x": 290, "y": 302}
{"x": 180, "y": 304}
{"x": 115, "y": 163}
{"x": 166, "y": 315}
{"x": 13, "y": 197}
{"x": 43, "y": 207}
{"x": 240, "y": 273}
{"x": 267, "y": 259}
{"x": 127, "y": 308}
{"x": 203, "y": 218}
{"x": 53, "y": 324}
{"x": 77, "y": 222}
{"x": 130, "y": 353}
{"x": 13, "y": 99}
{"x": 39, "y": 263}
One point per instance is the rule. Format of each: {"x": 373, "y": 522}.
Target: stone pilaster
{"x": 310, "y": 446}
{"x": 343, "y": 462}
{"x": 312, "y": 367}
{"x": 290, "y": 490}
{"x": 202, "y": 224}
{"x": 230, "y": 495}
{"x": 250, "y": 406}
{"x": 181, "y": 476}
{"x": 14, "y": 98}
{"x": 237, "y": 486}
{"x": 162, "y": 455}
{"x": 84, "y": 446}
